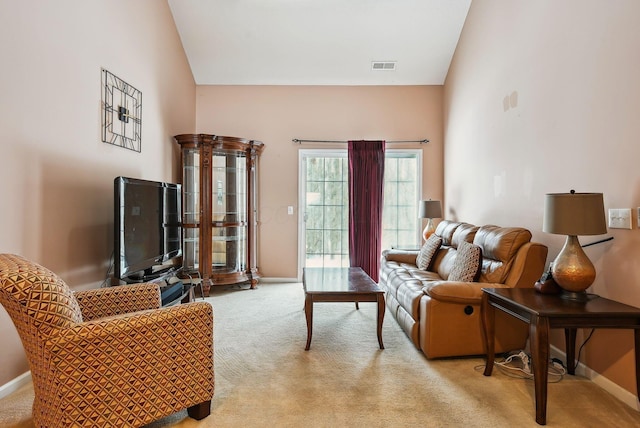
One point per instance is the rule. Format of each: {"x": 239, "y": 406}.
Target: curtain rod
{"x": 299, "y": 141}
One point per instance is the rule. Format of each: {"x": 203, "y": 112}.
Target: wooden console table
{"x": 543, "y": 312}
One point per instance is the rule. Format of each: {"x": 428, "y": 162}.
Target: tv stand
{"x": 172, "y": 289}
{"x": 175, "y": 293}
{"x": 150, "y": 275}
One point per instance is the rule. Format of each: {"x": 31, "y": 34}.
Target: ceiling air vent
{"x": 383, "y": 65}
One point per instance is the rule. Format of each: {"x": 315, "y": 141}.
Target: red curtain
{"x": 366, "y": 173}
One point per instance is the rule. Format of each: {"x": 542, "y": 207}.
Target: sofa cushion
{"x": 445, "y": 230}
{"x": 499, "y": 247}
{"x": 423, "y": 261}
{"x": 443, "y": 261}
{"x": 464, "y": 232}
{"x": 467, "y": 264}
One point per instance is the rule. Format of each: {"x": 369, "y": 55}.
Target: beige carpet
{"x": 264, "y": 378}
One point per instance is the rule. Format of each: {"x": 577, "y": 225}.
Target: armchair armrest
{"x": 468, "y": 293}
{"x": 164, "y": 356}
{"x": 122, "y": 299}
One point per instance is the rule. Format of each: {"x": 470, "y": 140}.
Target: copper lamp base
{"x": 573, "y": 271}
{"x": 429, "y": 229}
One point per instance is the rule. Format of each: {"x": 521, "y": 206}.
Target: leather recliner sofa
{"x": 442, "y": 317}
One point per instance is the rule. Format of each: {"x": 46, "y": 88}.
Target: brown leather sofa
{"x": 442, "y": 317}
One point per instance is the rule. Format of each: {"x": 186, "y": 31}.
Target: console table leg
{"x": 636, "y": 336}
{"x": 539, "y": 335}
{"x": 488, "y": 330}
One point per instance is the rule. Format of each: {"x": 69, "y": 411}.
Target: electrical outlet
{"x": 620, "y": 218}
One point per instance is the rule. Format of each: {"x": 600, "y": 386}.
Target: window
{"x": 402, "y": 179}
{"x": 324, "y": 198}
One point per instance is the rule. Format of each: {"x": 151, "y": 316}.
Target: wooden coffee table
{"x": 340, "y": 285}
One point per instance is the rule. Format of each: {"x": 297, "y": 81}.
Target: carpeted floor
{"x": 264, "y": 378}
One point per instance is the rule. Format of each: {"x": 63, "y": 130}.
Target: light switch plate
{"x": 620, "y": 218}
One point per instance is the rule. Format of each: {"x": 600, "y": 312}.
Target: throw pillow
{"x": 467, "y": 264}
{"x": 427, "y": 252}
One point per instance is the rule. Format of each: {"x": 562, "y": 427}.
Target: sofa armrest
{"x": 122, "y": 299}
{"x": 401, "y": 256}
{"x": 528, "y": 265}
{"x": 467, "y": 293}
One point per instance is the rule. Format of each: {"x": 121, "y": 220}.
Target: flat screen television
{"x": 147, "y": 228}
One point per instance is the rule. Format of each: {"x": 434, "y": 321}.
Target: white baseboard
{"x": 15, "y": 384}
{"x": 612, "y": 388}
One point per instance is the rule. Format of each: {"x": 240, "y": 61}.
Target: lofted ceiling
{"x": 319, "y": 42}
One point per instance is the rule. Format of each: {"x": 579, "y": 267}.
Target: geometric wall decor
{"x": 121, "y": 113}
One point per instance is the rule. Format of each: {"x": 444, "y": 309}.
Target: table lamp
{"x": 574, "y": 214}
{"x": 429, "y": 210}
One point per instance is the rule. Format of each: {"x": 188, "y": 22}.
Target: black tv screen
{"x": 147, "y": 226}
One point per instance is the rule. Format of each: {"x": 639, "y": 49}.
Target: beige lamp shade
{"x": 429, "y": 209}
{"x": 574, "y": 214}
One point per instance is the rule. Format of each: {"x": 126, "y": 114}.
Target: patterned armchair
{"x": 109, "y": 356}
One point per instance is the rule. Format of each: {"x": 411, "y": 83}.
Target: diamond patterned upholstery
{"x": 110, "y": 356}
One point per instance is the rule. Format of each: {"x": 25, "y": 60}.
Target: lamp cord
{"x": 598, "y": 242}
{"x": 582, "y": 346}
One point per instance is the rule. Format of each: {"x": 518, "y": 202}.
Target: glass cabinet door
{"x": 229, "y": 211}
{"x": 191, "y": 208}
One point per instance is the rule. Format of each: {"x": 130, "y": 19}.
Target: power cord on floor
{"x": 518, "y": 364}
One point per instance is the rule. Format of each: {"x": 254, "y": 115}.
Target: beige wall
{"x": 544, "y": 96}
{"x": 277, "y": 114}
{"x": 57, "y": 175}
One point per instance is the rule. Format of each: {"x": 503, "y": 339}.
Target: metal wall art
{"x": 122, "y": 113}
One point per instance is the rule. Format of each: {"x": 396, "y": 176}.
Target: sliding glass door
{"x": 324, "y": 204}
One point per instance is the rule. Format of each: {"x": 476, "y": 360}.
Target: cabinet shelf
{"x": 227, "y": 224}
{"x": 228, "y": 238}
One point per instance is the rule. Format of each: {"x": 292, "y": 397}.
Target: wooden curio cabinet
{"x": 219, "y": 205}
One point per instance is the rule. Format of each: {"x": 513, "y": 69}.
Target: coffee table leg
{"x": 539, "y": 336}
{"x": 381, "y": 310}
{"x": 308, "y": 312}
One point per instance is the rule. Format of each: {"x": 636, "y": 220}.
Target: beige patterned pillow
{"x": 427, "y": 252}
{"x": 467, "y": 264}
